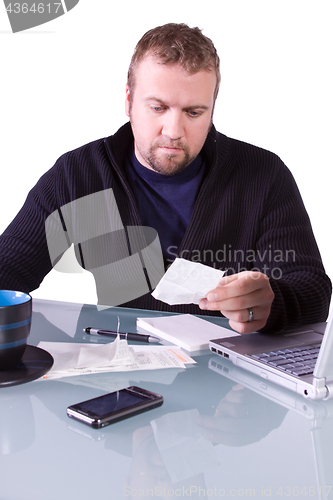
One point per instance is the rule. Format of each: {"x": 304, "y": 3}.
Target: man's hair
{"x": 177, "y": 44}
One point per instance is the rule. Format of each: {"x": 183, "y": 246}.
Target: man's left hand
{"x": 244, "y": 298}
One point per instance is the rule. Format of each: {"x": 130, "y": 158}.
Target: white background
{"x": 62, "y": 85}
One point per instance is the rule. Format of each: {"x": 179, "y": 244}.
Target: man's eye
{"x": 158, "y": 109}
{"x": 193, "y": 114}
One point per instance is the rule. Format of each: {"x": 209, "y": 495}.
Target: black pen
{"x": 127, "y": 336}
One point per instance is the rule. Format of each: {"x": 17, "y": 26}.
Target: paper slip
{"x": 186, "y": 282}
{"x": 184, "y": 330}
{"x": 80, "y": 359}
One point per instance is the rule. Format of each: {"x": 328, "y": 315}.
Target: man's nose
{"x": 173, "y": 126}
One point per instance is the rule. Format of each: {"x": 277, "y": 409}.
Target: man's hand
{"x": 237, "y": 295}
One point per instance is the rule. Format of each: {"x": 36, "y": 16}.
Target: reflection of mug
{"x": 15, "y": 322}
{"x": 14, "y": 436}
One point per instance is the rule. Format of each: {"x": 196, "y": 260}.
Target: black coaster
{"x": 34, "y": 364}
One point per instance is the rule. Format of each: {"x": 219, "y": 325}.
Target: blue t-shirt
{"x": 165, "y": 202}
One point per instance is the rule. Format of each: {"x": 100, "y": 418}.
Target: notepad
{"x": 184, "y": 330}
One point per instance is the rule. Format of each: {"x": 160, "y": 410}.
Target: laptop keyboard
{"x": 296, "y": 360}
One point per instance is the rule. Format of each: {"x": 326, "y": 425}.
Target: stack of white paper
{"x": 184, "y": 330}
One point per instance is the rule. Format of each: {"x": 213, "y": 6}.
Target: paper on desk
{"x": 80, "y": 359}
{"x": 184, "y": 330}
{"x": 186, "y": 282}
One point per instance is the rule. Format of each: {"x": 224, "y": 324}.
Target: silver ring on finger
{"x": 251, "y": 315}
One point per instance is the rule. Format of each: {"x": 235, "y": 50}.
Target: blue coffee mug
{"x": 15, "y": 323}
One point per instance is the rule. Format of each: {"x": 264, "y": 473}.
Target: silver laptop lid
{"x": 324, "y": 364}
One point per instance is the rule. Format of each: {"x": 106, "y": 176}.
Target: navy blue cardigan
{"x": 248, "y": 215}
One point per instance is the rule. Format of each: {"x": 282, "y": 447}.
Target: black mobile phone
{"x": 115, "y": 406}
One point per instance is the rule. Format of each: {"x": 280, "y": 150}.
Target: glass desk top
{"x": 220, "y": 433}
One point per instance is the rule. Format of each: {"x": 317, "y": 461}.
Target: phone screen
{"x": 111, "y": 402}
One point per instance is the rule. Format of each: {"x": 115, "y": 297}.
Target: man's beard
{"x": 169, "y": 164}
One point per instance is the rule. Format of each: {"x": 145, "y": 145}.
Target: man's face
{"x": 170, "y": 113}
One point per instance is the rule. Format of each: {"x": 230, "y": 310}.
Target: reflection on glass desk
{"x": 220, "y": 433}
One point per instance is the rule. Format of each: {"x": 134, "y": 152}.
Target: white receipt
{"x": 81, "y": 359}
{"x": 186, "y": 282}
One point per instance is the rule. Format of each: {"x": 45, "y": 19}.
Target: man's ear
{"x": 127, "y": 100}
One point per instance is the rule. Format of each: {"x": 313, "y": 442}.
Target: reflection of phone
{"x": 118, "y": 405}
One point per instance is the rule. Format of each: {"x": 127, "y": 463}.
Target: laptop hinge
{"x": 319, "y": 390}
{"x": 329, "y": 388}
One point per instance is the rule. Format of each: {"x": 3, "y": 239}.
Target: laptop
{"x": 300, "y": 360}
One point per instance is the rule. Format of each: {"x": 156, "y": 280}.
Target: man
{"x": 211, "y": 199}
